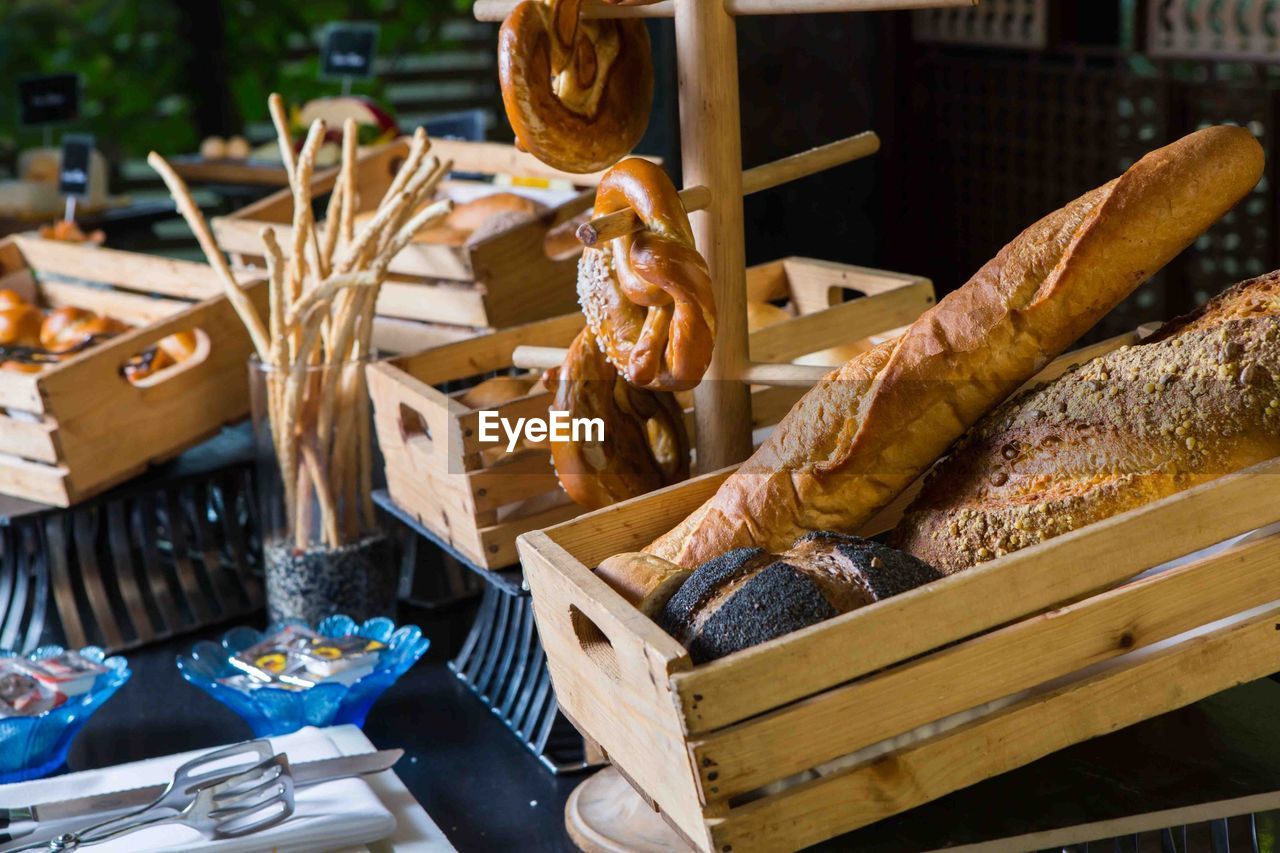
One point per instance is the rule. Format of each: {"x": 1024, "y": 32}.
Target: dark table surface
{"x": 486, "y": 792}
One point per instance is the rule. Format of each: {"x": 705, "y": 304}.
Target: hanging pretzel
{"x": 644, "y": 445}
{"x": 577, "y": 92}
{"x": 647, "y": 296}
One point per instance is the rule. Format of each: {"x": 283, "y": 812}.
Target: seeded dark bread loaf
{"x": 1198, "y": 400}
{"x": 864, "y": 433}
{"x": 750, "y": 596}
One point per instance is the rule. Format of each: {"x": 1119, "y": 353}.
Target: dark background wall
{"x": 989, "y": 120}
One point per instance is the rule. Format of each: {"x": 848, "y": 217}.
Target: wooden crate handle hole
{"x": 595, "y": 644}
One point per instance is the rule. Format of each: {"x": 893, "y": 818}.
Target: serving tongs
{"x": 234, "y": 791}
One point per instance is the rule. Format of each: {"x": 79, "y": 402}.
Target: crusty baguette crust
{"x": 1199, "y": 400}
{"x": 872, "y": 426}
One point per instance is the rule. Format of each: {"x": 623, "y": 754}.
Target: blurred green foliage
{"x": 138, "y": 66}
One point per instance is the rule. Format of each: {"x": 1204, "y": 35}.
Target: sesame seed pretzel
{"x": 644, "y": 446}
{"x": 647, "y": 296}
{"x": 577, "y": 92}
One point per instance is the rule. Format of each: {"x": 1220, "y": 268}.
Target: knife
{"x": 17, "y": 822}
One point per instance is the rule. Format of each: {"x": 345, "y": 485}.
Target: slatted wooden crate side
{"x": 79, "y": 426}
{"x": 854, "y": 320}
{"x": 1057, "y": 643}
{"x": 1033, "y": 728}
{"x": 520, "y": 279}
{"x": 188, "y": 281}
{"x": 111, "y": 428}
{"x": 29, "y": 437}
{"x": 611, "y": 667}
{"x": 395, "y": 336}
{"x": 416, "y": 423}
{"x": 408, "y": 404}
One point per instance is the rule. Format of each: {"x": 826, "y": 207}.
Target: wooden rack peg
{"x": 758, "y": 179}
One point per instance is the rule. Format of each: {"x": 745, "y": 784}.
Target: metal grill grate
{"x": 134, "y": 566}
{"x": 503, "y": 663}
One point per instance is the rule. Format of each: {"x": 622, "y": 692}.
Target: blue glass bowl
{"x": 32, "y": 747}
{"x": 273, "y": 711}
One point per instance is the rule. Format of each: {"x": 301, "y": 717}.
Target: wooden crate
{"x": 480, "y": 503}
{"x": 79, "y": 426}
{"x": 497, "y": 282}
{"x": 700, "y": 742}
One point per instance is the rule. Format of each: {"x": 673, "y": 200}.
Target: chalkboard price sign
{"x": 349, "y": 49}
{"x": 73, "y": 174}
{"x": 49, "y": 98}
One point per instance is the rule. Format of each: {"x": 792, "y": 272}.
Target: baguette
{"x": 1198, "y": 400}
{"x": 869, "y": 428}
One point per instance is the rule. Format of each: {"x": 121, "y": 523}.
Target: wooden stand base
{"x": 605, "y": 815}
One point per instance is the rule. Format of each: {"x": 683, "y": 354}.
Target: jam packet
{"x": 342, "y": 659}
{"x": 69, "y": 673}
{"x": 301, "y": 658}
{"x": 276, "y": 657}
{"x": 22, "y": 694}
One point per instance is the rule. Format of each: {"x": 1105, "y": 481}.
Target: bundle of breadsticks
{"x": 321, "y": 305}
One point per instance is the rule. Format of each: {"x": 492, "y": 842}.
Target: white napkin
{"x": 331, "y": 816}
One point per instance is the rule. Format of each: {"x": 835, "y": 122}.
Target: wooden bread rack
{"x": 801, "y": 739}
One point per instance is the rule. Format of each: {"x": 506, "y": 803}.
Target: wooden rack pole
{"x": 497, "y": 10}
{"x": 711, "y": 153}
{"x": 786, "y": 374}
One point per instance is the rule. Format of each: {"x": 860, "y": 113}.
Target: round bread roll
{"x": 749, "y": 596}
{"x": 473, "y": 214}
{"x": 835, "y": 356}
{"x": 498, "y": 390}
{"x": 237, "y": 148}
{"x": 22, "y": 366}
{"x": 645, "y": 581}
{"x": 20, "y": 325}
{"x": 179, "y": 346}
{"x": 10, "y": 298}
{"x": 213, "y": 148}
{"x": 762, "y": 315}
{"x": 67, "y": 327}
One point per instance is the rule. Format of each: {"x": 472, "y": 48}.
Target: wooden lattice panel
{"x": 1022, "y": 139}
{"x": 1000, "y": 23}
{"x": 1242, "y": 244}
{"x": 1222, "y": 29}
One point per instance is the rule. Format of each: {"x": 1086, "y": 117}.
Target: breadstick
{"x": 302, "y": 219}
{"x": 349, "y": 191}
{"x": 275, "y": 106}
{"x": 195, "y": 221}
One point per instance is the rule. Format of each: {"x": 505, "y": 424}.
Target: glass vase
{"x": 324, "y": 551}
